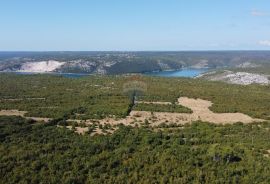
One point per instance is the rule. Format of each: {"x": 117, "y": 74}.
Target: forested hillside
{"x": 128, "y": 62}
{"x": 198, "y": 153}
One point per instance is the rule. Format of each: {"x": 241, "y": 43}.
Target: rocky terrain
{"x": 243, "y": 78}
{"x": 41, "y": 66}
{"x": 127, "y": 62}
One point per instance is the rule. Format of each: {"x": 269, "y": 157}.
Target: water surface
{"x": 186, "y": 72}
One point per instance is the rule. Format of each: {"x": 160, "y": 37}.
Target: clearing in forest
{"x": 200, "y": 111}
{"x": 199, "y": 107}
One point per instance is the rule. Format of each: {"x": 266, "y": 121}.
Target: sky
{"x": 134, "y": 25}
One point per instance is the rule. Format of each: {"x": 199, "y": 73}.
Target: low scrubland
{"x": 98, "y": 97}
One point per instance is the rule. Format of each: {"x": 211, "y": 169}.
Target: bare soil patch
{"x": 201, "y": 110}
{"x": 199, "y": 107}
{"x": 267, "y": 154}
{"x": 159, "y": 103}
{"x": 22, "y": 114}
{"x": 12, "y": 113}
{"x": 83, "y": 130}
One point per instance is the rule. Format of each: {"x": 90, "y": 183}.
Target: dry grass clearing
{"x": 267, "y": 154}
{"x": 201, "y": 111}
{"x": 22, "y": 114}
{"x": 83, "y": 130}
{"x": 12, "y": 113}
{"x": 199, "y": 107}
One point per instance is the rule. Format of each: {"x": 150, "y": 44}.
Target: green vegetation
{"x": 32, "y": 152}
{"x": 196, "y": 153}
{"x": 102, "y": 96}
{"x": 162, "y": 108}
{"x": 57, "y": 97}
{"x": 252, "y": 100}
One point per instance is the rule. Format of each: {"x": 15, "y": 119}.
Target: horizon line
{"x": 198, "y": 50}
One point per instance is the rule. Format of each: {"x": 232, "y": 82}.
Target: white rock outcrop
{"x": 247, "y": 78}
{"x": 243, "y": 78}
{"x": 41, "y": 66}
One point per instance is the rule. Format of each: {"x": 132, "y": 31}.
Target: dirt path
{"x": 158, "y": 103}
{"x": 12, "y": 113}
{"x": 20, "y": 99}
{"x": 22, "y": 114}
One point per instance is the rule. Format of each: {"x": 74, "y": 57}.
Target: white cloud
{"x": 265, "y": 42}
{"x": 257, "y": 13}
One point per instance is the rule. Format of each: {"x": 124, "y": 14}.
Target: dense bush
{"x": 196, "y": 153}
